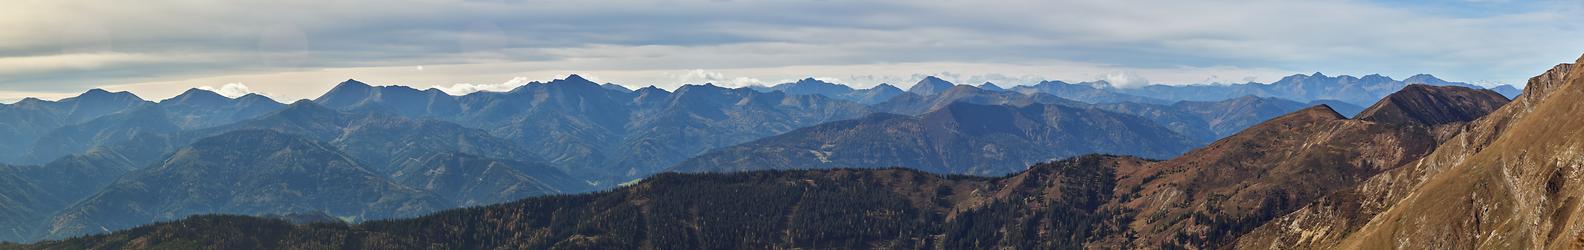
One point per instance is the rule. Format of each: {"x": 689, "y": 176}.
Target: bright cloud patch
{"x": 1125, "y": 80}
{"x": 717, "y": 78}
{"x": 468, "y": 88}
{"x": 232, "y": 90}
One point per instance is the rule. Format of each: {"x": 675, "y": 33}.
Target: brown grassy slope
{"x": 1507, "y": 181}
{"x": 1209, "y": 196}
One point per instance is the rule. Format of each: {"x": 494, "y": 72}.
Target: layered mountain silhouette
{"x": 1360, "y": 91}
{"x": 608, "y": 136}
{"x": 811, "y": 86}
{"x": 914, "y": 104}
{"x": 426, "y": 156}
{"x": 1098, "y": 93}
{"x": 26, "y": 121}
{"x": 1205, "y": 122}
{"x": 1207, "y": 198}
{"x": 29, "y": 195}
{"x": 245, "y": 172}
{"x": 961, "y": 138}
{"x": 1284, "y": 166}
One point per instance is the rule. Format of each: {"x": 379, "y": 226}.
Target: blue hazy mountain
{"x": 429, "y": 156}
{"x": 1205, "y": 122}
{"x": 913, "y": 104}
{"x": 961, "y": 138}
{"x": 811, "y": 86}
{"x": 469, "y": 180}
{"x": 199, "y": 108}
{"x": 1246, "y": 182}
{"x": 991, "y": 86}
{"x": 930, "y": 85}
{"x": 190, "y": 110}
{"x": 1508, "y": 90}
{"x": 573, "y": 135}
{"x": 1095, "y": 92}
{"x": 1359, "y": 91}
{"x": 25, "y": 122}
{"x": 608, "y": 135}
{"x": 30, "y": 194}
{"x": 245, "y": 172}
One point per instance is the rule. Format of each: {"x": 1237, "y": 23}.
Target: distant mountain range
{"x": 961, "y": 138}
{"x": 105, "y": 161}
{"x": 1317, "y": 87}
{"x": 1241, "y": 191}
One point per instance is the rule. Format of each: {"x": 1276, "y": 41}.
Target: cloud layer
{"x": 72, "y": 45}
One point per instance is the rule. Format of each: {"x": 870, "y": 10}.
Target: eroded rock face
{"x": 1509, "y": 180}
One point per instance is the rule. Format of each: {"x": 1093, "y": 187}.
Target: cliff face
{"x": 1509, "y": 180}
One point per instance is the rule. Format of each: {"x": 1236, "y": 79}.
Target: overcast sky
{"x": 298, "y": 49}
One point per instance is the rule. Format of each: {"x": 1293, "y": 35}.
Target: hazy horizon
{"x": 297, "y": 49}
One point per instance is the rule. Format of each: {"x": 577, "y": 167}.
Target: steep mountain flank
{"x": 1509, "y": 180}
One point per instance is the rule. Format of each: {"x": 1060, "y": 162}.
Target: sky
{"x": 294, "y": 49}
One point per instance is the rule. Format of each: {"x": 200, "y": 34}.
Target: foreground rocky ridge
{"x": 1508, "y": 181}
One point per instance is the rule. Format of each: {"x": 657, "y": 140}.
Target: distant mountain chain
{"x": 102, "y": 161}
{"x": 1316, "y": 87}
{"x": 1311, "y": 178}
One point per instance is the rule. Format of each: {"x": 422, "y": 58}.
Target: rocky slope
{"x": 1508, "y": 180}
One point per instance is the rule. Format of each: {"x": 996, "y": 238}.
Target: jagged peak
{"x": 1433, "y": 105}
{"x": 811, "y": 80}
